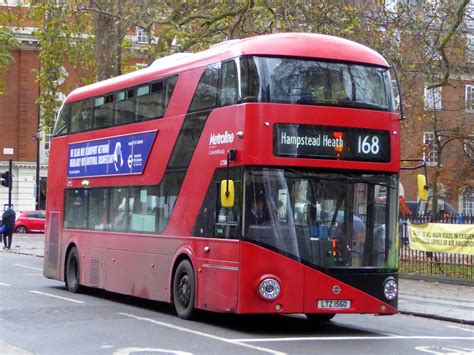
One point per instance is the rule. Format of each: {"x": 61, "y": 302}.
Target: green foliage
{"x": 8, "y": 43}
{"x": 59, "y": 32}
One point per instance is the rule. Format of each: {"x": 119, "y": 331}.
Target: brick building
{"x": 19, "y": 122}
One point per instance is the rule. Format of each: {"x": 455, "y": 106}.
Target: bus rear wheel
{"x": 184, "y": 287}
{"x": 322, "y": 317}
{"x": 72, "y": 271}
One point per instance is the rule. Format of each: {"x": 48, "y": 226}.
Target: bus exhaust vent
{"x": 53, "y": 245}
{"x": 94, "y": 277}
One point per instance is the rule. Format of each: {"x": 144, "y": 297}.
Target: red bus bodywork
{"x": 227, "y": 271}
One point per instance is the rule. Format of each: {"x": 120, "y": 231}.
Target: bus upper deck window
{"x": 206, "y": 93}
{"x": 228, "y": 94}
{"x": 125, "y": 106}
{"x": 103, "y": 111}
{"x": 250, "y": 81}
{"x": 62, "y": 121}
{"x": 80, "y": 116}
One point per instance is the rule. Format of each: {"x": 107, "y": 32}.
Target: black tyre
{"x": 323, "y": 317}
{"x": 21, "y": 230}
{"x": 184, "y": 290}
{"x": 72, "y": 271}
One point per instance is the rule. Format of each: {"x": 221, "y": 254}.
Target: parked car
{"x": 30, "y": 222}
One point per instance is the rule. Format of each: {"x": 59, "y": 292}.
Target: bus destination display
{"x": 325, "y": 142}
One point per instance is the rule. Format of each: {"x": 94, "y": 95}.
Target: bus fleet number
{"x": 368, "y": 145}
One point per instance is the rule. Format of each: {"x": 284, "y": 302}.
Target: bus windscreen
{"x": 312, "y": 82}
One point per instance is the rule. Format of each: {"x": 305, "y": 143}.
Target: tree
{"x": 59, "y": 31}
{"x": 8, "y": 42}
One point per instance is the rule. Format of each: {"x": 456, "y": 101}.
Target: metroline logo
{"x": 221, "y": 138}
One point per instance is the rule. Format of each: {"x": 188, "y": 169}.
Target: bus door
{"x": 217, "y": 253}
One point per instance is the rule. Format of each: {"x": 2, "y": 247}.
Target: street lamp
{"x": 37, "y": 177}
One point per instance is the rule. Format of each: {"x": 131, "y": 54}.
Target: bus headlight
{"x": 390, "y": 289}
{"x": 269, "y": 289}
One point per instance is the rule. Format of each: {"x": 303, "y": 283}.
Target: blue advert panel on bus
{"x": 326, "y": 142}
{"x": 120, "y": 155}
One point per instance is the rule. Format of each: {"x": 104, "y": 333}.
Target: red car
{"x": 30, "y": 222}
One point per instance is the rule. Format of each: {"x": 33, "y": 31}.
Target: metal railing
{"x": 444, "y": 265}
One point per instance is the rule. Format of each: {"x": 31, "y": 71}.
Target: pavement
{"x": 423, "y": 298}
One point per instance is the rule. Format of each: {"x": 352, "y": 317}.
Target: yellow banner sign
{"x": 442, "y": 238}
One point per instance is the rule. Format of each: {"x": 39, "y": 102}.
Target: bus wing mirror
{"x": 227, "y": 193}
{"x": 422, "y": 188}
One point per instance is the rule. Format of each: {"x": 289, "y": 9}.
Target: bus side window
{"x": 80, "y": 116}
{"x": 228, "y": 94}
{"x": 75, "y": 203}
{"x": 250, "y": 80}
{"x": 62, "y": 121}
{"x": 170, "y": 85}
{"x": 119, "y": 197}
{"x": 139, "y": 221}
{"x": 150, "y": 101}
{"x": 124, "y": 106}
{"x": 98, "y": 211}
{"x": 103, "y": 111}
{"x": 206, "y": 94}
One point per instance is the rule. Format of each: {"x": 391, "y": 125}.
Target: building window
{"x": 470, "y": 48}
{"x": 470, "y": 98}
{"x": 433, "y": 98}
{"x": 469, "y": 149}
{"x": 469, "y": 18}
{"x": 468, "y": 202}
{"x": 396, "y": 95}
{"x": 430, "y": 154}
{"x": 391, "y": 5}
{"x": 142, "y": 36}
{"x": 47, "y": 145}
{"x": 9, "y": 3}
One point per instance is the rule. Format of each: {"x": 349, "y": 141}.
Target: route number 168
{"x": 368, "y": 144}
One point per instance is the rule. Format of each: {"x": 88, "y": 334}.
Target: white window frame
{"x": 433, "y": 98}
{"x": 469, "y": 92}
{"x": 142, "y": 36}
{"x": 396, "y": 95}
{"x": 466, "y": 202}
{"x": 470, "y": 48}
{"x": 430, "y": 154}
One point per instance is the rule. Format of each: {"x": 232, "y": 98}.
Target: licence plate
{"x": 334, "y": 304}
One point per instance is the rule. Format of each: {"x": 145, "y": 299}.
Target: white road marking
{"x": 195, "y": 332}
{"x": 126, "y": 351}
{"x": 465, "y": 329}
{"x": 32, "y": 274}
{"x": 3, "y": 284}
{"x": 50, "y": 295}
{"x": 440, "y": 350}
{"x": 394, "y": 337}
{"x": 30, "y": 267}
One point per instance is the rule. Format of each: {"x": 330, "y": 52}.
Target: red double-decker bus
{"x": 259, "y": 176}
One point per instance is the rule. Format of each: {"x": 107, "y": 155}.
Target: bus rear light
{"x": 269, "y": 289}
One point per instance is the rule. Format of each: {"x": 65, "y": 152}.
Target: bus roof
{"x": 307, "y": 45}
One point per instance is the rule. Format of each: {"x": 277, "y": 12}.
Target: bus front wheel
{"x": 72, "y": 271}
{"x": 184, "y": 286}
{"x": 322, "y": 317}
